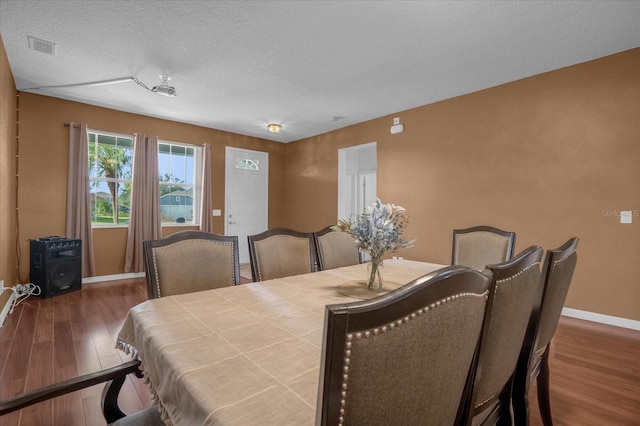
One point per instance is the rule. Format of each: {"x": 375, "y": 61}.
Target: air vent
{"x": 42, "y": 46}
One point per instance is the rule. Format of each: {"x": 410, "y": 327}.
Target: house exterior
{"x": 176, "y": 207}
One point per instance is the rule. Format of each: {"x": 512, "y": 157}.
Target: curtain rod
{"x": 75, "y": 126}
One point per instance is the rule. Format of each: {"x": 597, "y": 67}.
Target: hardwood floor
{"x": 595, "y": 376}
{"x": 595, "y": 369}
{"x": 48, "y": 340}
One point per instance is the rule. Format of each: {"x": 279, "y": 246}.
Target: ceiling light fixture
{"x": 274, "y": 127}
{"x": 164, "y": 89}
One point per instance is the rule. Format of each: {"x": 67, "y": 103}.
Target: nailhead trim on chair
{"x": 384, "y": 329}
{"x": 155, "y": 263}
{"x": 506, "y": 280}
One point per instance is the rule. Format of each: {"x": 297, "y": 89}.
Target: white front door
{"x": 246, "y": 189}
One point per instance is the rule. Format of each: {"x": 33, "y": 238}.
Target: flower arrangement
{"x": 377, "y": 230}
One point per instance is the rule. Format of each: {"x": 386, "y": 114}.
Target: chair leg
{"x": 520, "y": 395}
{"x": 506, "y": 416}
{"x": 543, "y": 389}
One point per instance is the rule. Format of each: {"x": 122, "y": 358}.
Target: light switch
{"x": 217, "y": 212}
{"x": 625, "y": 216}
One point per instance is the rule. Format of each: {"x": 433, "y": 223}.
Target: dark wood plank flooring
{"x": 48, "y": 340}
{"x": 595, "y": 369}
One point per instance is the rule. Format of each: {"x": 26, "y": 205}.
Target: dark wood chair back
{"x": 190, "y": 261}
{"x": 480, "y": 246}
{"x": 557, "y": 274}
{"x": 335, "y": 249}
{"x": 113, "y": 377}
{"x": 515, "y": 285}
{"x": 405, "y": 357}
{"x": 281, "y": 252}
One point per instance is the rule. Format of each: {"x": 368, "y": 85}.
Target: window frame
{"x": 121, "y": 180}
{"x": 197, "y": 181}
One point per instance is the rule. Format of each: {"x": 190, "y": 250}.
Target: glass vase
{"x": 375, "y": 275}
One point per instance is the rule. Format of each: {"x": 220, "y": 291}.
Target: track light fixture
{"x": 164, "y": 89}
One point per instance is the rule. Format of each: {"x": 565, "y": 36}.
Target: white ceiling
{"x": 238, "y": 65}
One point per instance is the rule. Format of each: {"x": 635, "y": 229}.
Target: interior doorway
{"x": 246, "y": 195}
{"x": 357, "y": 174}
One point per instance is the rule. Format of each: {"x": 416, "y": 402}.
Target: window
{"x": 179, "y": 167}
{"x": 110, "y": 162}
{"x": 247, "y": 164}
{"x": 110, "y": 179}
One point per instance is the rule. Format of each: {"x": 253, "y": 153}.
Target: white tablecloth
{"x": 243, "y": 355}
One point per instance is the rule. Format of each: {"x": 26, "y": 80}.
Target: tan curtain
{"x": 206, "y": 202}
{"x": 78, "y": 220}
{"x": 144, "y": 222}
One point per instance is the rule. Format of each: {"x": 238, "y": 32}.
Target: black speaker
{"x": 56, "y": 265}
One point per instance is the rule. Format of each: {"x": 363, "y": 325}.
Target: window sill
{"x": 119, "y": 225}
{"x": 164, "y": 225}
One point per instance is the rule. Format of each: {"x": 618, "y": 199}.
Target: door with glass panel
{"x": 246, "y": 201}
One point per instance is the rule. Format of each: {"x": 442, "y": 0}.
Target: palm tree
{"x": 110, "y": 162}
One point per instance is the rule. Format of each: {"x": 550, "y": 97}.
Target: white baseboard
{"x": 6, "y": 308}
{"x": 89, "y": 280}
{"x": 603, "y": 319}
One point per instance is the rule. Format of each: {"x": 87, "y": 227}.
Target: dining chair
{"x": 557, "y": 273}
{"x": 479, "y": 246}
{"x": 114, "y": 378}
{"x": 513, "y": 290}
{"x": 189, "y": 261}
{"x": 404, "y": 357}
{"x": 335, "y": 249}
{"x": 281, "y": 252}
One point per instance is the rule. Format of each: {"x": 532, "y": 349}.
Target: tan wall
{"x": 43, "y": 169}
{"x": 8, "y": 102}
{"x": 543, "y": 156}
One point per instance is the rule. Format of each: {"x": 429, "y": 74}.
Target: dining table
{"x": 248, "y": 354}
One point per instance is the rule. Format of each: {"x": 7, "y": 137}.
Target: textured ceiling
{"x": 238, "y": 65}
